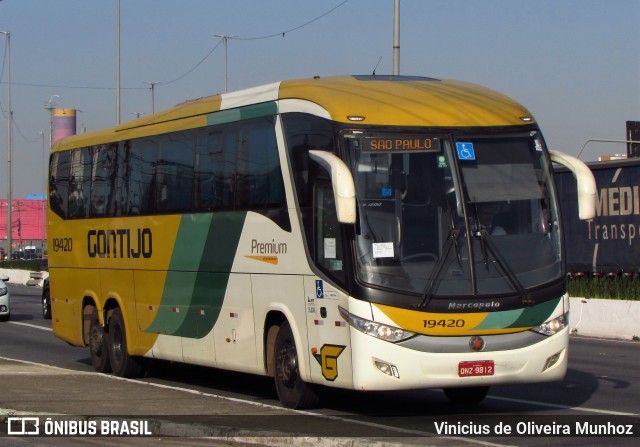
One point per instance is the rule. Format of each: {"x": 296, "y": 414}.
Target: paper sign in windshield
{"x": 383, "y": 249}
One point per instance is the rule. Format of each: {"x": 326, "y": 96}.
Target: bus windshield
{"x": 444, "y": 215}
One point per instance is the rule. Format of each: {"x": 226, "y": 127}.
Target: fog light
{"x": 552, "y": 361}
{"x": 3, "y": 308}
{"x": 387, "y": 368}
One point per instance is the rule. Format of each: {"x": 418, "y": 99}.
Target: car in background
{"x": 46, "y": 300}
{"x": 5, "y": 299}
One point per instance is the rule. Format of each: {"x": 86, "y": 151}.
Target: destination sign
{"x": 401, "y": 143}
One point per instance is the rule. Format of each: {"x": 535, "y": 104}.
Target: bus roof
{"x": 372, "y": 100}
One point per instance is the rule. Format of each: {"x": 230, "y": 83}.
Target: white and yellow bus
{"x": 359, "y": 232}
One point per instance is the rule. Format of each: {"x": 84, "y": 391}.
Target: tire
{"x": 293, "y": 392}
{"x": 46, "y": 304}
{"x": 98, "y": 344}
{"x": 122, "y": 364}
{"x": 467, "y": 395}
{"x": 6, "y": 317}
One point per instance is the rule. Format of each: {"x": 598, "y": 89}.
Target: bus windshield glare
{"x": 454, "y": 215}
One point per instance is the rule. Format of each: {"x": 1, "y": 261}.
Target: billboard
{"x": 610, "y": 242}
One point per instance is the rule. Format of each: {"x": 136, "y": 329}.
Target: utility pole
{"x": 225, "y": 39}
{"x": 118, "y": 63}
{"x": 9, "y": 147}
{"x": 153, "y": 96}
{"x": 396, "y": 38}
{"x": 44, "y": 190}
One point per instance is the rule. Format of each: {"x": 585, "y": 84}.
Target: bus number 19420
{"x": 443, "y": 323}
{"x": 63, "y": 244}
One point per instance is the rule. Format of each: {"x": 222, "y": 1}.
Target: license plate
{"x": 479, "y": 368}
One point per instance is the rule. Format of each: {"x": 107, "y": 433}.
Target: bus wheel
{"x": 98, "y": 341}
{"x": 123, "y": 364}
{"x": 467, "y": 395}
{"x": 292, "y": 391}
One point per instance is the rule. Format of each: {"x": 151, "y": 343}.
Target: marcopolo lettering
{"x": 120, "y": 243}
{"x": 482, "y": 305}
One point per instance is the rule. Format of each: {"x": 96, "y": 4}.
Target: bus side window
{"x": 80, "y": 184}
{"x": 259, "y": 180}
{"x": 208, "y": 178}
{"x": 329, "y": 254}
{"x": 174, "y": 173}
{"x": 142, "y": 161}
{"x": 103, "y": 184}
{"x": 59, "y": 183}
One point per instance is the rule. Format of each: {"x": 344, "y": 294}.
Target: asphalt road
{"x": 601, "y": 387}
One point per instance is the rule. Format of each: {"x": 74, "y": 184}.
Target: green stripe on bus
{"x": 213, "y": 274}
{"x": 499, "y": 320}
{"x": 242, "y": 113}
{"x": 196, "y": 282}
{"x": 536, "y": 315}
{"x": 519, "y": 318}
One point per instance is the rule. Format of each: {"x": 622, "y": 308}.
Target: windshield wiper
{"x": 478, "y": 233}
{"x": 486, "y": 242}
{"x": 434, "y": 278}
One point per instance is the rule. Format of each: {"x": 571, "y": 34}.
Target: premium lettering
{"x": 268, "y": 248}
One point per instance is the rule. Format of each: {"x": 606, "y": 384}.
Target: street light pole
{"x": 50, "y": 106}
{"x": 9, "y": 146}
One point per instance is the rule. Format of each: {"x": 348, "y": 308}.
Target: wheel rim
{"x": 117, "y": 343}
{"x": 288, "y": 364}
{"x": 45, "y": 306}
{"x": 97, "y": 341}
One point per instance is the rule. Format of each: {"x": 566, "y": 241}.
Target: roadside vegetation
{"x": 624, "y": 286}
{"x": 31, "y": 265}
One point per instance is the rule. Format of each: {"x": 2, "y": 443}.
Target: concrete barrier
{"x": 595, "y": 317}
{"x": 24, "y": 277}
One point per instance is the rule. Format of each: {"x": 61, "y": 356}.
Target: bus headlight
{"x": 378, "y": 330}
{"x": 553, "y": 326}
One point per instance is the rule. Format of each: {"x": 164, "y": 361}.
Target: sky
{"x": 575, "y": 64}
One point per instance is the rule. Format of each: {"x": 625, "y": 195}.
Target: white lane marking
{"x": 32, "y": 325}
{"x": 563, "y": 407}
{"x": 267, "y": 406}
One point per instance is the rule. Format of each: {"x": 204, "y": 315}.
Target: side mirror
{"x": 344, "y": 190}
{"x": 585, "y": 181}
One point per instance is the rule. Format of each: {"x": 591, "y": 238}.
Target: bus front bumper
{"x": 380, "y": 365}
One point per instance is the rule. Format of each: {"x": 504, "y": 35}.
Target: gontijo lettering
{"x": 120, "y": 243}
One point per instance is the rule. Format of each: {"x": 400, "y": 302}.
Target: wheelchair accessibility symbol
{"x": 319, "y": 289}
{"x": 465, "y": 151}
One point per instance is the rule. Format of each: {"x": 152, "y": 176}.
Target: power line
{"x": 269, "y": 36}
{"x": 282, "y": 33}
{"x": 194, "y": 68}
{"x": 77, "y": 87}
{"x": 191, "y": 70}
